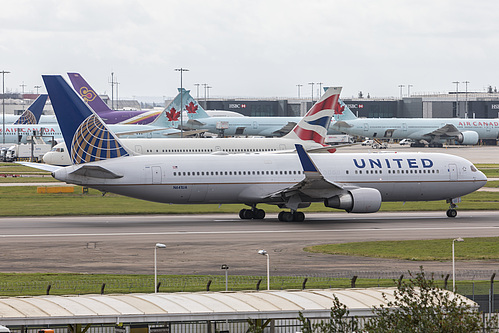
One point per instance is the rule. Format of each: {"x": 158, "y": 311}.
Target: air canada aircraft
{"x": 357, "y": 183}
{"x": 198, "y": 118}
{"x": 435, "y": 131}
{"x": 310, "y": 132}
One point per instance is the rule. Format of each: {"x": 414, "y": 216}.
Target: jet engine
{"x": 468, "y": 138}
{"x": 361, "y": 200}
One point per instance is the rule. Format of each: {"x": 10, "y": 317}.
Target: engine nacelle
{"x": 360, "y": 200}
{"x": 468, "y": 138}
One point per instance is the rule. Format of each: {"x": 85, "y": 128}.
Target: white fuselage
{"x": 418, "y": 128}
{"x": 60, "y": 156}
{"x": 253, "y": 178}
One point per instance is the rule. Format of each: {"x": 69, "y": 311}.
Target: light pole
{"x": 457, "y": 98}
{"x": 22, "y": 87}
{"x": 459, "y": 239}
{"x": 409, "y": 90}
{"x": 3, "y": 104}
{"x": 466, "y": 98}
{"x": 312, "y": 84}
{"x": 197, "y": 90}
{"x": 401, "y": 86}
{"x": 37, "y": 87}
{"x": 181, "y": 70}
{"x": 264, "y": 253}
{"x": 226, "y": 269}
{"x": 320, "y": 89}
{"x": 299, "y": 86}
{"x": 157, "y": 246}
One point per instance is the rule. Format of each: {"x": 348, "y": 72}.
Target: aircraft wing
{"x": 341, "y": 124}
{"x": 447, "y": 130}
{"x": 314, "y": 185}
{"x": 95, "y": 171}
{"x": 194, "y": 122}
{"x": 285, "y": 129}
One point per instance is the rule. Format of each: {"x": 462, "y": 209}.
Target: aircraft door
{"x": 138, "y": 149}
{"x": 156, "y": 174}
{"x": 255, "y": 125}
{"x": 366, "y": 127}
{"x": 453, "y": 172}
{"x": 404, "y": 127}
{"x": 217, "y": 148}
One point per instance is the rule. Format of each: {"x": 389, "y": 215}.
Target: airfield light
{"x": 157, "y": 246}
{"x": 459, "y": 239}
{"x": 264, "y": 253}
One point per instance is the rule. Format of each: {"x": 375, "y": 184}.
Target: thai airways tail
{"x": 87, "y": 93}
{"x": 86, "y": 136}
{"x": 313, "y": 127}
{"x": 32, "y": 115}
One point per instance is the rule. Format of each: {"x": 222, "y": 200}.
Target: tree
{"x": 420, "y": 306}
{"x": 339, "y": 321}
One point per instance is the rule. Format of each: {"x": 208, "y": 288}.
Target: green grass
{"x": 66, "y": 284}
{"x": 436, "y": 249}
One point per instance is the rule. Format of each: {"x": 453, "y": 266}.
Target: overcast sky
{"x": 255, "y": 47}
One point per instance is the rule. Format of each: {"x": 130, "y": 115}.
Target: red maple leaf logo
{"x": 338, "y": 109}
{"x": 191, "y": 108}
{"x": 172, "y": 115}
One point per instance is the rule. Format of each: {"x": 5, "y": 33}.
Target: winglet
{"x": 86, "y": 136}
{"x": 32, "y": 115}
{"x": 306, "y": 162}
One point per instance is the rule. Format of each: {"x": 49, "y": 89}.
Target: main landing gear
{"x": 452, "y": 212}
{"x": 253, "y": 213}
{"x": 292, "y": 216}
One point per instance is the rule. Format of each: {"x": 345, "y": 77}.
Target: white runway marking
{"x": 453, "y": 228}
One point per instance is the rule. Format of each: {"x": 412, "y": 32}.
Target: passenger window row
{"x": 236, "y": 173}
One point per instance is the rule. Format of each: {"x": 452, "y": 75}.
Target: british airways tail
{"x": 87, "y": 93}
{"x": 32, "y": 115}
{"x": 313, "y": 127}
{"x": 86, "y": 136}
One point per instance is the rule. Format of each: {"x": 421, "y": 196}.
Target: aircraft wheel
{"x": 451, "y": 212}
{"x": 279, "y": 216}
{"x": 246, "y": 214}
{"x": 298, "y": 216}
{"x": 259, "y": 214}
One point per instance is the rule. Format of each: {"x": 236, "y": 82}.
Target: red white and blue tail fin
{"x": 313, "y": 127}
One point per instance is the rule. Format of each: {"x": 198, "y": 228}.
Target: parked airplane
{"x": 357, "y": 183}
{"x": 122, "y": 116}
{"x": 198, "y": 118}
{"x": 310, "y": 132}
{"x": 33, "y": 113}
{"x": 17, "y": 133}
{"x": 435, "y": 131}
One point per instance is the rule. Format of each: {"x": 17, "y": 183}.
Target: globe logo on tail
{"x": 27, "y": 118}
{"x": 93, "y": 142}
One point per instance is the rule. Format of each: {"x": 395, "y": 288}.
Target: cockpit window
{"x": 473, "y": 168}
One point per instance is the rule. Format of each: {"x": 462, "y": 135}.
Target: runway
{"x": 200, "y": 244}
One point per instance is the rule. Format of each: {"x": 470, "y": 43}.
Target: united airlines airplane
{"x": 435, "y": 131}
{"x": 357, "y": 183}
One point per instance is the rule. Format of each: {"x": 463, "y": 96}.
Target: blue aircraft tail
{"x": 86, "y": 136}
{"x": 32, "y": 115}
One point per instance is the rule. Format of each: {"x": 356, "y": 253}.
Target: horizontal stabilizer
{"x": 40, "y": 166}
{"x": 95, "y": 171}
